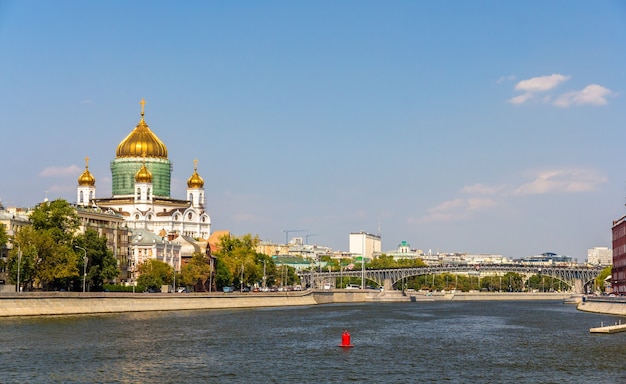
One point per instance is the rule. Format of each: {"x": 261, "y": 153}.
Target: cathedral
{"x": 141, "y": 174}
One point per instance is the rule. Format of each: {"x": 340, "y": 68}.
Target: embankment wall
{"x": 69, "y": 303}
{"x": 613, "y": 307}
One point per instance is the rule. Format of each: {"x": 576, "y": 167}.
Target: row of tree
{"x": 50, "y": 254}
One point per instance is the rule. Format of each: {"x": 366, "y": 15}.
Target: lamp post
{"x": 19, "y": 258}
{"x": 84, "y": 265}
{"x": 19, "y": 261}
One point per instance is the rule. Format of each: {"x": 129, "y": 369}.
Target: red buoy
{"x": 345, "y": 340}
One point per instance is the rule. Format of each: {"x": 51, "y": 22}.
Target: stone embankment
{"x": 67, "y": 303}
{"x": 606, "y": 305}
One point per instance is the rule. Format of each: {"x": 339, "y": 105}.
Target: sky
{"x": 457, "y": 126}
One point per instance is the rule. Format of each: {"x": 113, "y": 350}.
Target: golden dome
{"x": 195, "y": 181}
{"x": 86, "y": 179}
{"x": 143, "y": 175}
{"x": 141, "y": 140}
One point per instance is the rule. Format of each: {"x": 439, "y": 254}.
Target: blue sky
{"x": 469, "y": 126}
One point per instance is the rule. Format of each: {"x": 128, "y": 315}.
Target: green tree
{"x": 223, "y": 277}
{"x": 42, "y": 260}
{"x": 101, "y": 264}
{"x": 154, "y": 274}
{"x": 4, "y": 238}
{"x": 197, "y": 271}
{"x": 238, "y": 255}
{"x": 599, "y": 281}
{"x": 58, "y": 217}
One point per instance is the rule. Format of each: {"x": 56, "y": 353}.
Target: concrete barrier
{"x": 74, "y": 303}
{"x": 606, "y": 307}
{"x": 71, "y": 304}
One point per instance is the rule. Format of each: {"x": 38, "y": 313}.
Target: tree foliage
{"x": 599, "y": 281}
{"x": 58, "y": 217}
{"x": 101, "y": 264}
{"x": 47, "y": 256}
{"x": 4, "y": 238}
{"x": 41, "y": 260}
{"x": 384, "y": 261}
{"x": 237, "y": 261}
{"x": 197, "y": 271}
{"x": 154, "y": 274}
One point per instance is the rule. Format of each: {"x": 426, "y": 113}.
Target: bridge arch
{"x": 575, "y": 276}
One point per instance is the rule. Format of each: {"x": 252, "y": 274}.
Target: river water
{"x": 428, "y": 342}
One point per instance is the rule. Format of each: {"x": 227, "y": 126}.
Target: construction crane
{"x": 306, "y": 241}
{"x": 288, "y": 231}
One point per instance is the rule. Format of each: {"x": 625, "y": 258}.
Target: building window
{"x": 81, "y": 197}
{"x": 190, "y": 215}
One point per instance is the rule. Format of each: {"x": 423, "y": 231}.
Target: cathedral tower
{"x": 129, "y": 159}
{"x": 86, "y": 190}
{"x": 195, "y": 188}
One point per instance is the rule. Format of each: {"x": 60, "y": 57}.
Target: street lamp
{"x": 19, "y": 260}
{"x": 84, "y": 265}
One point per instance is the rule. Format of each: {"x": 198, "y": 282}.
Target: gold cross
{"x": 87, "y": 162}
{"x": 143, "y": 103}
{"x": 195, "y": 165}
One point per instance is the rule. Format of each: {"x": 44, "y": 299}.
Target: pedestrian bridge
{"x": 575, "y": 276}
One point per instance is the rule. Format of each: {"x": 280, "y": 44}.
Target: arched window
{"x": 190, "y": 197}
{"x": 138, "y": 193}
{"x": 81, "y": 197}
{"x": 190, "y": 215}
{"x": 90, "y": 195}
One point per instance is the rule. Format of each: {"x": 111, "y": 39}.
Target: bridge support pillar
{"x": 578, "y": 286}
{"x": 388, "y": 285}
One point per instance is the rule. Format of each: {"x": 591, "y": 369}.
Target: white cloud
{"x": 521, "y": 98}
{"x": 593, "y": 94}
{"x": 480, "y": 189}
{"x": 484, "y": 197}
{"x": 562, "y": 180}
{"x": 541, "y": 83}
{"x": 456, "y": 209}
{"x": 72, "y": 170}
{"x": 505, "y": 78}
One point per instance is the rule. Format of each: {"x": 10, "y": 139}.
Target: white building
{"x": 600, "y": 256}
{"x": 404, "y": 251}
{"x": 364, "y": 244}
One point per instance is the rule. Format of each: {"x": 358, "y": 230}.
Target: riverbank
{"x": 71, "y": 303}
{"x": 606, "y": 305}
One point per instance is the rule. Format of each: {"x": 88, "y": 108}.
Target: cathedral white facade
{"x": 141, "y": 174}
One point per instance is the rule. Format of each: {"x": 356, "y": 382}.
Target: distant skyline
{"x": 481, "y": 127}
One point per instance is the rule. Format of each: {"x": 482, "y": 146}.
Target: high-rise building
{"x": 364, "y": 244}
{"x": 618, "y": 274}
{"x": 602, "y": 256}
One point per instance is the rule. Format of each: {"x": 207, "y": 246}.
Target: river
{"x": 427, "y": 342}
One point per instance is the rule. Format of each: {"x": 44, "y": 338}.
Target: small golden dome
{"x": 143, "y": 175}
{"x": 141, "y": 140}
{"x": 195, "y": 181}
{"x": 86, "y": 179}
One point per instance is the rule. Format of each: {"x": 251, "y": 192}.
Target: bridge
{"x": 575, "y": 276}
